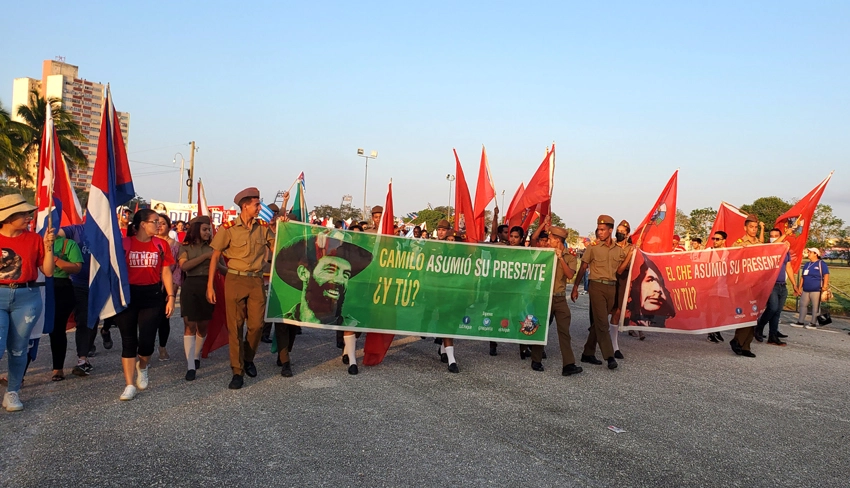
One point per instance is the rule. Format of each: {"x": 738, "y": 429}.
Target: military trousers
{"x": 246, "y": 303}
{"x": 744, "y": 336}
{"x": 563, "y": 317}
{"x": 602, "y": 299}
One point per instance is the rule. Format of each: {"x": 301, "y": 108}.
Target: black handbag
{"x": 824, "y": 318}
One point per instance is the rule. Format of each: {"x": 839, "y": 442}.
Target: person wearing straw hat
{"x": 24, "y": 253}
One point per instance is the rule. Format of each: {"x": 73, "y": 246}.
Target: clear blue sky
{"x": 748, "y": 99}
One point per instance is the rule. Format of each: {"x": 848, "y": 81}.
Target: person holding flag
{"x": 24, "y": 253}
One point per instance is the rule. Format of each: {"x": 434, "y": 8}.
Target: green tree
{"x": 67, "y": 131}
{"x": 824, "y": 227}
{"x": 12, "y": 137}
{"x": 431, "y": 217}
{"x": 700, "y": 222}
{"x": 682, "y": 223}
{"x": 337, "y": 213}
{"x": 767, "y": 209}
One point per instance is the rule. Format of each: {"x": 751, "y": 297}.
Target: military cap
{"x": 625, "y": 223}
{"x": 751, "y": 218}
{"x": 377, "y": 209}
{"x": 246, "y": 193}
{"x": 558, "y": 232}
{"x": 308, "y": 251}
{"x": 203, "y": 219}
{"x": 444, "y": 224}
{"x": 605, "y": 219}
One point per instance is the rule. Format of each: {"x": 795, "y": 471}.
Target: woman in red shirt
{"x": 23, "y": 254}
{"x": 148, "y": 263}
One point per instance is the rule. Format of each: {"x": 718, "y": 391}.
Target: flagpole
{"x": 52, "y": 164}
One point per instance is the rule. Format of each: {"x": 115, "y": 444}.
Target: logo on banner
{"x": 529, "y": 325}
{"x": 466, "y": 320}
{"x": 659, "y": 214}
{"x": 505, "y": 323}
{"x": 486, "y": 322}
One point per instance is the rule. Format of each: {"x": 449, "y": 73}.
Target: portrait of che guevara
{"x": 320, "y": 267}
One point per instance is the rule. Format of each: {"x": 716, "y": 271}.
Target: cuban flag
{"x": 57, "y": 205}
{"x": 265, "y": 213}
{"x": 111, "y": 187}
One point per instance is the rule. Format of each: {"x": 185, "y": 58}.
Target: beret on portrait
{"x": 308, "y": 251}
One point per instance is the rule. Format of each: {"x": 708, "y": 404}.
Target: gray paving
{"x": 694, "y": 415}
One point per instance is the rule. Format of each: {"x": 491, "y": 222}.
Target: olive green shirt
{"x": 191, "y": 252}
{"x": 602, "y": 260}
{"x": 244, "y": 248}
{"x": 560, "y": 276}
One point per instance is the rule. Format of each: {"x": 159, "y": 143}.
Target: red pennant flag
{"x": 517, "y": 220}
{"x": 376, "y": 345}
{"x": 463, "y": 204}
{"x": 539, "y": 189}
{"x": 485, "y": 192}
{"x": 799, "y": 218}
{"x": 655, "y": 233}
{"x": 730, "y": 219}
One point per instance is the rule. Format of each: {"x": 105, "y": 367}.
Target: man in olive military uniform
{"x": 744, "y": 336}
{"x": 565, "y": 270}
{"x": 244, "y": 241}
{"x": 377, "y": 213}
{"x": 602, "y": 260}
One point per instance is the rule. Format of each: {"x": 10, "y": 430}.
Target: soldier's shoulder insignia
{"x": 573, "y": 252}
{"x": 740, "y": 241}
{"x": 594, "y": 242}
{"x": 263, "y": 223}
{"x": 228, "y": 224}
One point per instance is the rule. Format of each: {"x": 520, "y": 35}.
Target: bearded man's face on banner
{"x": 326, "y": 286}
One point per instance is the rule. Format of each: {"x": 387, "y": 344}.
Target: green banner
{"x": 356, "y": 281}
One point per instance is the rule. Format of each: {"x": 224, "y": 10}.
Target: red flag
{"x": 655, "y": 233}
{"x": 799, "y": 218}
{"x": 539, "y": 189}
{"x": 485, "y": 192}
{"x": 377, "y": 345}
{"x": 463, "y": 204}
{"x": 511, "y": 206}
{"x": 54, "y": 194}
{"x": 730, "y": 219}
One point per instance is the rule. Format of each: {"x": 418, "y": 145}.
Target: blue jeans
{"x": 773, "y": 309}
{"x": 19, "y": 311}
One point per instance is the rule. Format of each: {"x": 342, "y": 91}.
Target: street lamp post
{"x": 450, "y": 178}
{"x": 182, "y": 162}
{"x": 503, "y": 204}
{"x": 371, "y": 155}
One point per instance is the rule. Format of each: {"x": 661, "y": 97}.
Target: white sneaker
{"x": 129, "y": 393}
{"x": 12, "y": 402}
{"x": 811, "y": 326}
{"x": 142, "y": 377}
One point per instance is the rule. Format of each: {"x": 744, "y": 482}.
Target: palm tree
{"x": 67, "y": 131}
{"x": 12, "y": 137}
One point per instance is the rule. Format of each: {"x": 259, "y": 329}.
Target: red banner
{"x": 700, "y": 291}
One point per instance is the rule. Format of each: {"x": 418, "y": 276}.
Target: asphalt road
{"x": 694, "y": 414}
